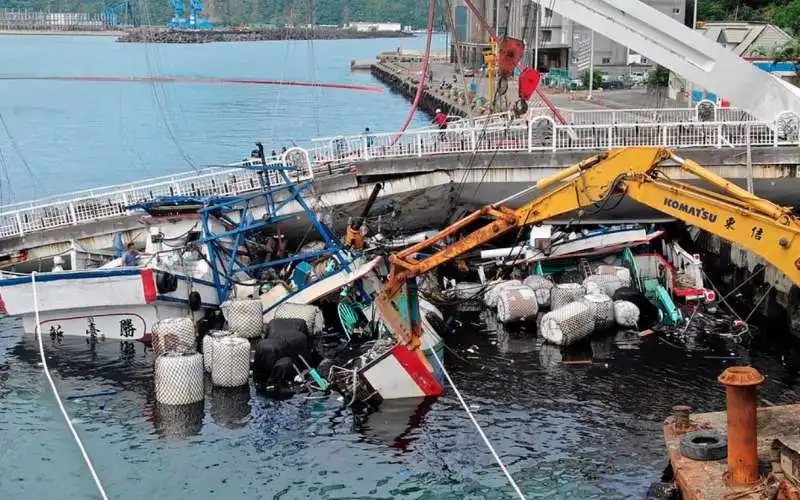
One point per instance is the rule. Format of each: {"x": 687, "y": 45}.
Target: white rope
{"x": 478, "y": 427}
{"x": 55, "y": 391}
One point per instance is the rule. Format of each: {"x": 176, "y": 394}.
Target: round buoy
{"x": 516, "y": 303}
{"x": 312, "y": 315}
{"x": 563, "y": 294}
{"x": 626, "y": 313}
{"x": 493, "y": 290}
{"x": 245, "y": 317}
{"x": 179, "y": 378}
{"x": 606, "y": 284}
{"x": 602, "y": 308}
{"x": 568, "y": 324}
{"x": 231, "y": 362}
{"x": 208, "y": 346}
{"x": 541, "y": 286}
{"x": 175, "y": 335}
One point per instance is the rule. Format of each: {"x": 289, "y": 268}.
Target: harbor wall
{"x": 407, "y": 86}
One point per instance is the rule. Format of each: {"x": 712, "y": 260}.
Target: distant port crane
{"x": 194, "y": 21}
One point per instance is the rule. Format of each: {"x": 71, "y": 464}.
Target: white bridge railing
{"x": 486, "y": 134}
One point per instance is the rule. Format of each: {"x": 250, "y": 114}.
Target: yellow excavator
{"x": 764, "y": 228}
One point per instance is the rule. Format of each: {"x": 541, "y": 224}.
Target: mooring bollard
{"x": 740, "y": 386}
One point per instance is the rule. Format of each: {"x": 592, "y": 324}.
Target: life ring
{"x": 166, "y": 282}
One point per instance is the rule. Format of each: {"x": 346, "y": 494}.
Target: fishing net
{"x": 541, "y": 286}
{"x": 245, "y": 317}
{"x": 173, "y": 335}
{"x": 312, "y": 315}
{"x": 606, "y": 284}
{"x": 208, "y": 346}
{"x": 231, "y": 362}
{"x": 516, "y": 303}
{"x": 179, "y": 378}
{"x": 563, "y": 294}
{"x": 567, "y": 324}
{"x": 602, "y": 308}
{"x": 626, "y": 313}
{"x": 493, "y": 289}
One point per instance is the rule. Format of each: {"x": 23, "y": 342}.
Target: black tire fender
{"x": 166, "y": 282}
{"x": 195, "y": 301}
{"x": 704, "y": 445}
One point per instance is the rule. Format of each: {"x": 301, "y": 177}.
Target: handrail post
{"x": 19, "y": 224}
{"x": 72, "y": 214}
{"x": 419, "y": 145}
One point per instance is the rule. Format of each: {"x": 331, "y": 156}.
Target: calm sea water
{"x": 77, "y": 135}
{"x": 565, "y": 431}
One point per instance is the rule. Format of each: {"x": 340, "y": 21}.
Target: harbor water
{"x": 564, "y": 430}
{"x": 585, "y": 430}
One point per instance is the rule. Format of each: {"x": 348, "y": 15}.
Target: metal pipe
{"x": 740, "y": 386}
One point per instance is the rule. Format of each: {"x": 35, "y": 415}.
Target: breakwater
{"x": 162, "y": 35}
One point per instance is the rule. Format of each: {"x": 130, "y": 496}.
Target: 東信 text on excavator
{"x": 766, "y": 229}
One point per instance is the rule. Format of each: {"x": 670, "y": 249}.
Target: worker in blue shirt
{"x": 131, "y": 257}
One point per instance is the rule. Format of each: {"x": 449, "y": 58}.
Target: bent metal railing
{"x": 334, "y": 155}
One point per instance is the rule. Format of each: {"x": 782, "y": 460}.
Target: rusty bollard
{"x": 740, "y": 386}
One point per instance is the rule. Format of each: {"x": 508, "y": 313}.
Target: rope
{"x": 478, "y": 427}
{"x": 55, "y": 391}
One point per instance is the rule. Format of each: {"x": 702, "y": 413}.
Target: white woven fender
{"x": 621, "y": 272}
{"x": 245, "y": 317}
{"x": 174, "y": 335}
{"x": 312, "y": 315}
{"x": 602, "y": 308}
{"x": 179, "y": 378}
{"x": 231, "y": 362}
{"x": 493, "y": 289}
{"x": 568, "y": 324}
{"x": 541, "y": 287}
{"x": 606, "y": 284}
{"x": 208, "y": 346}
{"x": 516, "y": 303}
{"x": 563, "y": 294}
{"x": 626, "y": 313}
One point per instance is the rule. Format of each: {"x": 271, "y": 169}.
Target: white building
{"x": 562, "y": 43}
{"x": 373, "y": 26}
{"x": 747, "y": 40}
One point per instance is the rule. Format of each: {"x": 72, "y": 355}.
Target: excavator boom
{"x": 764, "y": 228}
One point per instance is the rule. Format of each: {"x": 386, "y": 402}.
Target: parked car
{"x": 469, "y": 73}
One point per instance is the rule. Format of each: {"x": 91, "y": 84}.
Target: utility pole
{"x": 536, "y": 38}
{"x": 591, "y": 68}
{"x": 694, "y": 15}
{"x": 694, "y": 27}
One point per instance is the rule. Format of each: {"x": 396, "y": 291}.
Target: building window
{"x": 606, "y": 60}
{"x": 546, "y": 35}
{"x": 644, "y": 60}
{"x": 548, "y": 12}
{"x": 676, "y": 10}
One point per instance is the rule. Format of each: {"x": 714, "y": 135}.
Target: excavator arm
{"x": 642, "y": 174}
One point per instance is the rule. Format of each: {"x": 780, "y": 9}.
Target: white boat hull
{"x": 120, "y": 303}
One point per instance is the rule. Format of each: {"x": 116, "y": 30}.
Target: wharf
{"x": 402, "y": 75}
{"x": 706, "y": 480}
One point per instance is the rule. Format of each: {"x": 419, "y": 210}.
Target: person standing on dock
{"x": 131, "y": 257}
{"x": 369, "y": 138}
{"x": 440, "y": 119}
